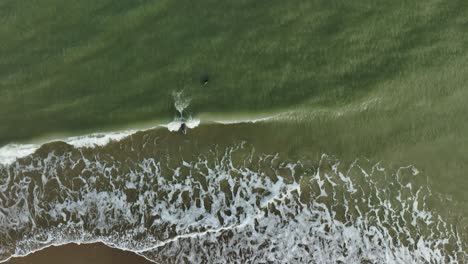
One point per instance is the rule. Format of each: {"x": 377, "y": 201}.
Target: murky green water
{"x": 358, "y": 155}
{"x": 212, "y": 196}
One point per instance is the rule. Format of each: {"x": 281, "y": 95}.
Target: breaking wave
{"x": 226, "y": 205}
{"x": 10, "y": 152}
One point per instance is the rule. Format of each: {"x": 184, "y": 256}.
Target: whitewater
{"x": 228, "y": 205}
{"x": 10, "y": 152}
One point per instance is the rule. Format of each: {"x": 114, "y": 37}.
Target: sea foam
{"x": 228, "y": 206}
{"x": 10, "y": 152}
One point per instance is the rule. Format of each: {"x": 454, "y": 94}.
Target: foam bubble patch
{"x": 229, "y": 206}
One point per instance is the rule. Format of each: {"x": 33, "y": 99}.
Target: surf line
{"x": 12, "y": 151}
{"x": 181, "y": 123}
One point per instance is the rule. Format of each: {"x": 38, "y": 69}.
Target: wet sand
{"x": 96, "y": 253}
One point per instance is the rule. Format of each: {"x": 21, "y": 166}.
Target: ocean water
{"x": 287, "y": 132}
{"x": 220, "y": 204}
{"x": 173, "y": 197}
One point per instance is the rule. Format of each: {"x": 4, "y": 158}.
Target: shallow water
{"x": 173, "y": 199}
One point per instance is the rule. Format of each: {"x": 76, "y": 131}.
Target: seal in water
{"x": 204, "y": 78}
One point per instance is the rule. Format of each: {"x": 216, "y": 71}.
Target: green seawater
{"x": 88, "y": 65}
{"x": 365, "y": 82}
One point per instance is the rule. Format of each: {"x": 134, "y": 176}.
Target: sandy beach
{"x": 96, "y": 253}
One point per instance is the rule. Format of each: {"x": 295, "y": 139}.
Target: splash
{"x": 229, "y": 205}
{"x": 181, "y": 103}
{"x": 177, "y": 124}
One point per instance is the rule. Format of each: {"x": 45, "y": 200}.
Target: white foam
{"x": 98, "y": 139}
{"x": 241, "y": 224}
{"x": 13, "y": 151}
{"x": 177, "y": 123}
{"x": 246, "y": 120}
{"x": 9, "y": 153}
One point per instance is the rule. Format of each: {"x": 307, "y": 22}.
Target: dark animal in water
{"x": 183, "y": 128}
{"x": 204, "y": 78}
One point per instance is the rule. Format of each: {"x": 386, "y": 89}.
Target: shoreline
{"x": 10, "y": 152}
{"x": 103, "y": 253}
